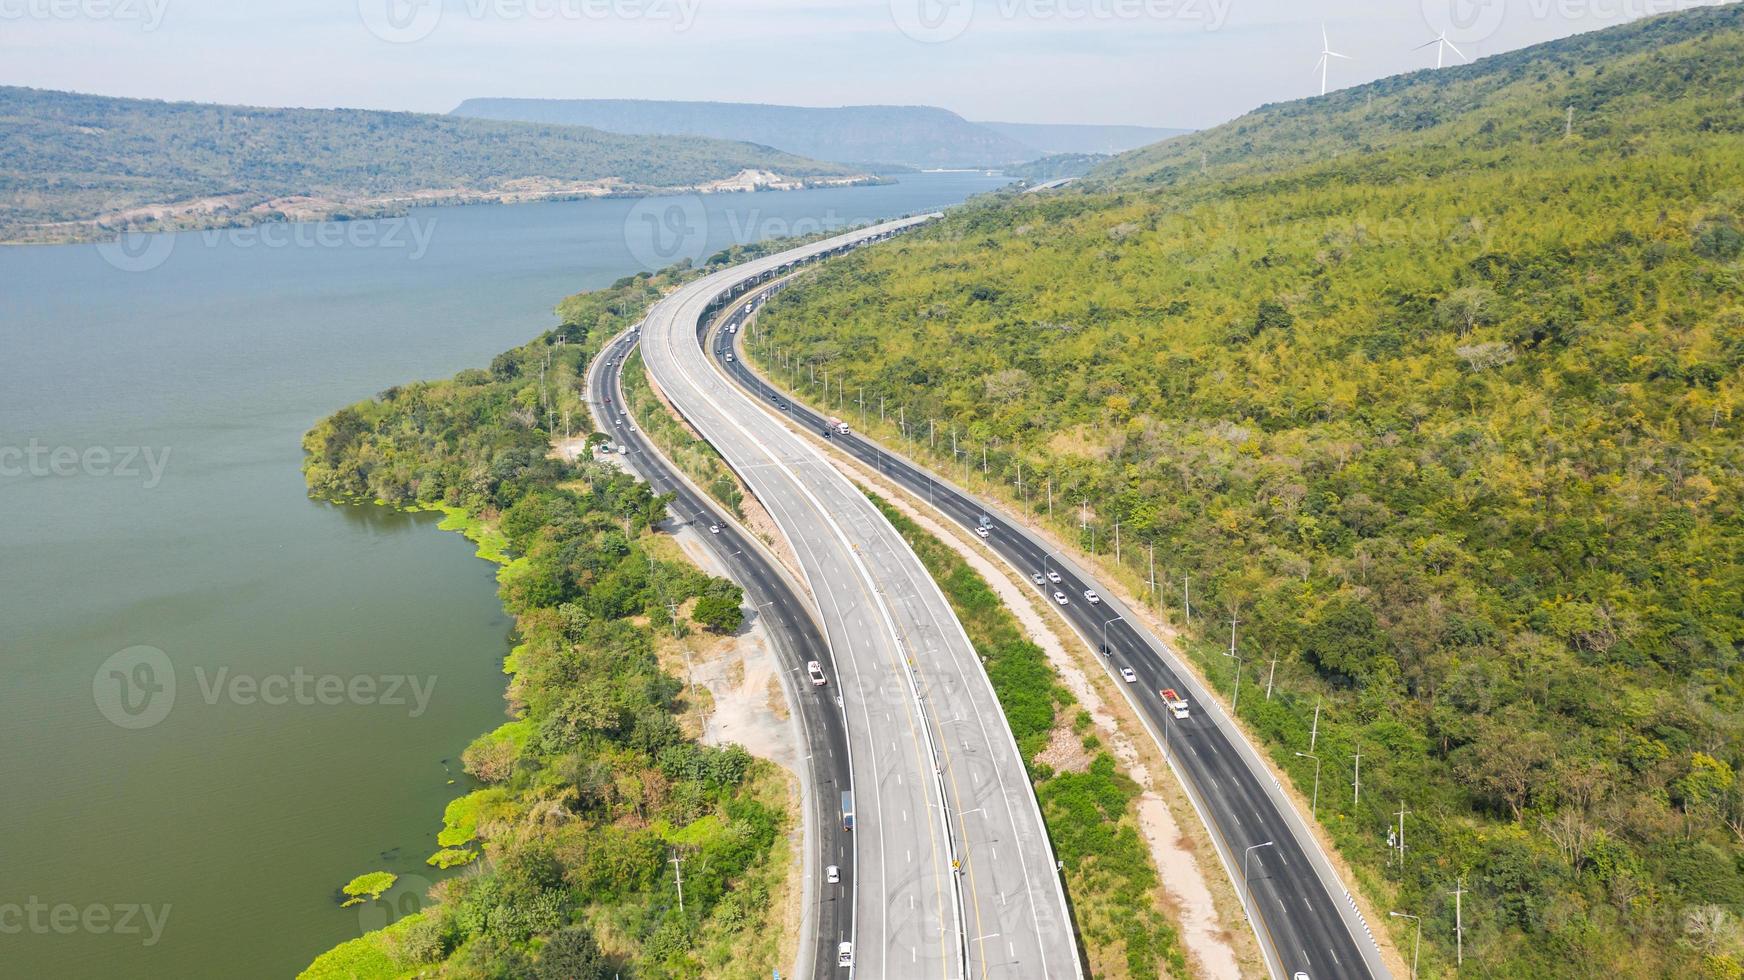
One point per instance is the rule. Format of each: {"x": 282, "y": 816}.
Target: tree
{"x": 720, "y": 613}
{"x": 1466, "y": 309}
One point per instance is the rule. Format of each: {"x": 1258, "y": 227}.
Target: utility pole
{"x": 678, "y": 873}
{"x": 1151, "y": 546}
{"x": 1314, "y": 807}
{"x": 1050, "y": 499}
{"x": 1356, "y": 781}
{"x": 1232, "y": 622}
{"x": 983, "y": 459}
{"x": 1313, "y": 733}
{"x": 1117, "y": 542}
{"x": 1568, "y": 124}
{"x": 1271, "y": 676}
{"x": 1402, "y": 812}
{"x": 862, "y": 407}
{"x": 1459, "y": 924}
{"x": 932, "y": 433}
{"x": 1187, "y": 596}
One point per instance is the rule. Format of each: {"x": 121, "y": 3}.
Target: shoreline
{"x": 269, "y": 210}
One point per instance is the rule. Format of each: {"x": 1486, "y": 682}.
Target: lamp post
{"x": 1415, "y": 943}
{"x": 1314, "y": 808}
{"x": 1105, "y": 623}
{"x": 1246, "y": 883}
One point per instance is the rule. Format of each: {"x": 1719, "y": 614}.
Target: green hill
{"x": 1443, "y": 398}
{"x": 69, "y": 162}
{"x": 867, "y": 135}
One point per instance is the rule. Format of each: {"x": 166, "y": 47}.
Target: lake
{"x": 219, "y": 699}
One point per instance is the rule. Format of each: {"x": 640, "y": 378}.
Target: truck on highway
{"x": 847, "y": 811}
{"x": 838, "y": 425}
{"x": 1177, "y": 704}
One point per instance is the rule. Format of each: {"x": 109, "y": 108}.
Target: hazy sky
{"x": 1158, "y": 62}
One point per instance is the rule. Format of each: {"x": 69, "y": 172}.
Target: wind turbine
{"x": 1442, "y": 46}
{"x": 1326, "y": 56}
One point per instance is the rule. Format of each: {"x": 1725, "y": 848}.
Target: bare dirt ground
{"x": 749, "y": 708}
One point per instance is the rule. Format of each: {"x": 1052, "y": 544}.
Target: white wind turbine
{"x": 1326, "y": 56}
{"x": 1442, "y": 46}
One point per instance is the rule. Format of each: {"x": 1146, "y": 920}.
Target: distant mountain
{"x": 870, "y": 135}
{"x": 74, "y": 165}
{"x": 1051, "y": 138}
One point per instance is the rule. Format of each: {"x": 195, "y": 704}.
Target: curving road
{"x": 796, "y": 638}
{"x": 1302, "y": 913}
{"x": 955, "y": 874}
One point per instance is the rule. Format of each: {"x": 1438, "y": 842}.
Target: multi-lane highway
{"x": 1304, "y": 917}
{"x": 955, "y": 876}
{"x": 797, "y": 640}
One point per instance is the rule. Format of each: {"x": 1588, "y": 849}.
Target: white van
{"x": 845, "y": 954}
{"x": 816, "y": 670}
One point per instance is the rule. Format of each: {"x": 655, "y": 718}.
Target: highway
{"x": 1303, "y": 915}
{"x": 795, "y": 635}
{"x": 955, "y": 876}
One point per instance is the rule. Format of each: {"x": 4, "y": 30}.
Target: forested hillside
{"x": 861, "y": 135}
{"x": 1440, "y": 397}
{"x": 70, "y": 162}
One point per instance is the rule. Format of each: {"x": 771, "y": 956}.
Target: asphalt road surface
{"x": 1303, "y": 914}
{"x": 955, "y": 874}
{"x": 797, "y": 640}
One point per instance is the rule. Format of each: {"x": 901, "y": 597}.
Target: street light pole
{"x": 1314, "y": 807}
{"x": 1416, "y": 943}
{"x": 1246, "y": 883}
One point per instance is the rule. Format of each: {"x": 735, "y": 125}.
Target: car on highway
{"x": 1091, "y": 597}
{"x": 784, "y": 406}
{"x": 1128, "y": 676}
{"x": 623, "y": 450}
{"x": 816, "y": 670}
{"x": 1060, "y": 597}
{"x": 1038, "y": 578}
{"x": 845, "y": 954}
{"x": 729, "y": 358}
{"x": 833, "y": 874}
{"x": 1053, "y": 576}
{"x": 714, "y": 529}
{"x": 983, "y": 530}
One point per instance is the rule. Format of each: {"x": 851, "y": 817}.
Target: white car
{"x": 845, "y": 954}
{"x": 816, "y": 670}
{"x": 623, "y": 450}
{"x": 982, "y": 530}
{"x": 729, "y": 358}
{"x": 1091, "y": 597}
{"x": 1060, "y": 597}
{"x": 1053, "y": 576}
{"x": 714, "y": 529}
{"x": 1128, "y": 676}
{"x": 833, "y": 874}
{"x": 1037, "y": 578}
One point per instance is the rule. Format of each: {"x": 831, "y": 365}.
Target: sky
{"x": 1185, "y": 63}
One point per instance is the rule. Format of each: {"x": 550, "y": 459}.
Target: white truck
{"x": 838, "y": 425}
{"x": 1177, "y": 704}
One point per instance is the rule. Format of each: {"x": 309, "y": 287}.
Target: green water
{"x": 232, "y": 821}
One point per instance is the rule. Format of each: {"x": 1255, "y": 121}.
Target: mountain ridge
{"x": 76, "y": 166}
